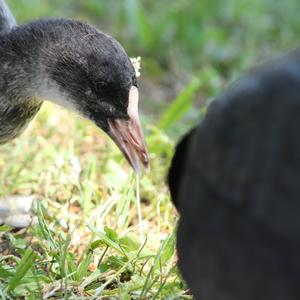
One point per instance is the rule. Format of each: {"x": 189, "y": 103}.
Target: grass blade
{"x": 24, "y": 265}
{"x": 180, "y": 106}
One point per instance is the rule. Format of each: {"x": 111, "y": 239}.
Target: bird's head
{"x": 97, "y": 79}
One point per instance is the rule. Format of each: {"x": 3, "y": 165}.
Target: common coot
{"x": 74, "y": 65}
{"x": 235, "y": 179}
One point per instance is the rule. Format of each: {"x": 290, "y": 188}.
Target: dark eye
{"x": 104, "y": 86}
{"x": 100, "y": 87}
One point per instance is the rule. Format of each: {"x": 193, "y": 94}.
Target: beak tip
{"x": 137, "y": 168}
{"x": 137, "y": 171}
{"x": 147, "y": 168}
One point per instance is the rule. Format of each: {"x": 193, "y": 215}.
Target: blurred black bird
{"x": 235, "y": 180}
{"x": 74, "y": 65}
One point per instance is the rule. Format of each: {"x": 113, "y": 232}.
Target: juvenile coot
{"x": 74, "y": 65}
{"x": 235, "y": 180}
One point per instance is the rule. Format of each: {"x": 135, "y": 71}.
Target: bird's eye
{"x": 103, "y": 85}
{"x": 100, "y": 87}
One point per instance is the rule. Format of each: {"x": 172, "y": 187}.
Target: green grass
{"x": 87, "y": 243}
{"x": 186, "y": 36}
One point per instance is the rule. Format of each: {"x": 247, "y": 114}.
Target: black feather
{"x": 239, "y": 191}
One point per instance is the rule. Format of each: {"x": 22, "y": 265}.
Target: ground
{"x": 87, "y": 241}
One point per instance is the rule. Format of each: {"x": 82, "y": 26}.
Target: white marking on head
{"x": 133, "y": 102}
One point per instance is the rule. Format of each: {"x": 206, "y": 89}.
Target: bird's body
{"x": 74, "y": 65}
{"x": 235, "y": 181}
{"x": 17, "y": 105}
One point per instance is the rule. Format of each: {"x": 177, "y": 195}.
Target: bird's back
{"x": 239, "y": 194}
{"x": 14, "y": 114}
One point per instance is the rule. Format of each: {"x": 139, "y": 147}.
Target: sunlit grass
{"x": 87, "y": 243}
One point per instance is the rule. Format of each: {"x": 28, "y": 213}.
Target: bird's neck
{"x": 28, "y": 55}
{"x": 24, "y": 81}
{"x": 19, "y": 102}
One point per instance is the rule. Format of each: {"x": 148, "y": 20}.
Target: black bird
{"x": 235, "y": 180}
{"x": 74, "y": 65}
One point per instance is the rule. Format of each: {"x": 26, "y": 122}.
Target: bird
{"x": 75, "y": 65}
{"x": 234, "y": 180}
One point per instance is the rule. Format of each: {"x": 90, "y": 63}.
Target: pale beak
{"x": 128, "y": 135}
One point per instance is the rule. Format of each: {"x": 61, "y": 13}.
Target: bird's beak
{"x": 128, "y": 135}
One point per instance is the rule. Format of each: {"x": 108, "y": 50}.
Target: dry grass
{"x": 87, "y": 244}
